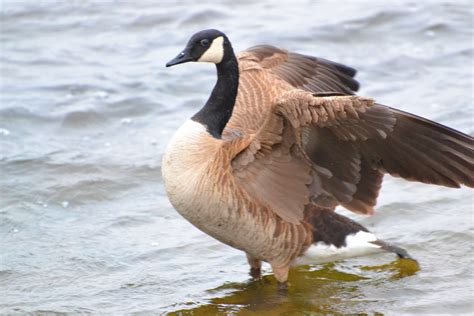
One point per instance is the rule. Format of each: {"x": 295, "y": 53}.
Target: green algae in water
{"x": 312, "y": 290}
{"x": 401, "y": 268}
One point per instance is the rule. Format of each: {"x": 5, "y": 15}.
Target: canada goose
{"x": 281, "y": 141}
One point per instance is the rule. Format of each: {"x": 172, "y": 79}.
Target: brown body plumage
{"x": 297, "y": 144}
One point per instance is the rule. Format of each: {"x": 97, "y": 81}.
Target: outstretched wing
{"x": 267, "y": 71}
{"x": 348, "y": 143}
{"x": 304, "y": 72}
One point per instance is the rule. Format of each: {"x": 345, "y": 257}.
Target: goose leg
{"x": 400, "y": 252}
{"x": 281, "y": 273}
{"x": 255, "y": 266}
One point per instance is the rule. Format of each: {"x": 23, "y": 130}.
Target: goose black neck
{"x": 218, "y": 109}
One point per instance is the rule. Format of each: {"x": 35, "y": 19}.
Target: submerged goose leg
{"x": 255, "y": 266}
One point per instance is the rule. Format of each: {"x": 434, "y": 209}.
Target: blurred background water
{"x": 86, "y": 110}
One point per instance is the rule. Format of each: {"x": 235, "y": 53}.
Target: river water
{"x": 86, "y": 110}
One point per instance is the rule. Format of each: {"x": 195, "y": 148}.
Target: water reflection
{"x": 326, "y": 289}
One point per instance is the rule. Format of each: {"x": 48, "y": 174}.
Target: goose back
{"x": 266, "y": 72}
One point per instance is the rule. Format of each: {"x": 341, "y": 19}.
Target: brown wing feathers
{"x": 344, "y": 144}
{"x": 357, "y": 141}
{"x": 425, "y": 151}
{"x": 380, "y": 140}
{"x": 306, "y": 72}
{"x": 270, "y": 174}
{"x": 367, "y": 191}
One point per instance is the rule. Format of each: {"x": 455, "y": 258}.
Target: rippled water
{"x": 87, "y": 107}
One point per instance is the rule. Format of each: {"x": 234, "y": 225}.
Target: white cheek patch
{"x": 215, "y": 52}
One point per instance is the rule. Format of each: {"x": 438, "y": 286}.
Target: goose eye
{"x": 205, "y": 42}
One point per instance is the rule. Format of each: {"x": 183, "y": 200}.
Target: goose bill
{"x": 182, "y": 57}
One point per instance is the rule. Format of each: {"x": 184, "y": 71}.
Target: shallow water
{"x": 87, "y": 107}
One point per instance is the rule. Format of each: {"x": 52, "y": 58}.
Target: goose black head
{"x": 210, "y": 46}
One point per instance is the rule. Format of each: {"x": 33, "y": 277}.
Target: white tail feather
{"x": 359, "y": 244}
